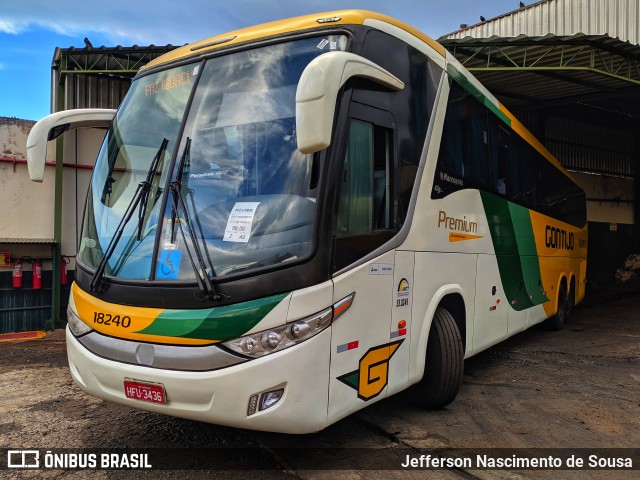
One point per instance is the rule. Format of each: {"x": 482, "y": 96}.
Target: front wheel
{"x": 444, "y": 363}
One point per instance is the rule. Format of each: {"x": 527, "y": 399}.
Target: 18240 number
{"x": 108, "y": 319}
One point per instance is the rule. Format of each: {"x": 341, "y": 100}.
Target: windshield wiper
{"x": 207, "y": 288}
{"x": 141, "y": 194}
{"x": 145, "y": 189}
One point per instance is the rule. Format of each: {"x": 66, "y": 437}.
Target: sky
{"x": 30, "y": 30}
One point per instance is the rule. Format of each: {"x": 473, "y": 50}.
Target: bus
{"x": 289, "y": 222}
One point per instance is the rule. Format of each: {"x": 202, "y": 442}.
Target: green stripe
{"x": 472, "y": 89}
{"x": 528, "y": 253}
{"x": 514, "y": 276}
{"x": 219, "y": 323}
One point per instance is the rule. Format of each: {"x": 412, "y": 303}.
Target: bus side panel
{"x": 436, "y": 275}
{"x": 401, "y": 320}
{"x": 361, "y": 349}
{"x": 491, "y": 306}
{"x": 562, "y": 251}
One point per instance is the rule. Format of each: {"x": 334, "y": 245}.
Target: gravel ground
{"x": 578, "y": 388}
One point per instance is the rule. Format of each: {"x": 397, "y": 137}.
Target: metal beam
{"x": 581, "y": 98}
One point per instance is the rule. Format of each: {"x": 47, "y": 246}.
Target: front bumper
{"x": 221, "y": 396}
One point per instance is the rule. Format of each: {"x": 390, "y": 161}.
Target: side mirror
{"x": 317, "y": 94}
{"x": 54, "y": 125}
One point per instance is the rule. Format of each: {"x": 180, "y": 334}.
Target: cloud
{"x": 168, "y": 21}
{"x": 160, "y": 22}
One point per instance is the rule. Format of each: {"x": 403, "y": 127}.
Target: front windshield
{"x": 152, "y": 112}
{"x": 247, "y": 196}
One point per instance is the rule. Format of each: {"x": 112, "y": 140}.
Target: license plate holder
{"x": 145, "y": 391}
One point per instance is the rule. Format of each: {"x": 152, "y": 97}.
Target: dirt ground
{"x": 577, "y": 388}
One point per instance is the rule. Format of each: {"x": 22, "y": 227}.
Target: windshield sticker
{"x": 381, "y": 269}
{"x": 196, "y": 69}
{"x": 168, "y": 83}
{"x": 323, "y": 44}
{"x": 169, "y": 265}
{"x": 240, "y": 222}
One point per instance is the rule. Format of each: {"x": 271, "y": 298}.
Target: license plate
{"x": 147, "y": 392}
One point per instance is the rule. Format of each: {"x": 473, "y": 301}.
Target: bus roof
{"x": 296, "y": 24}
{"x": 349, "y": 17}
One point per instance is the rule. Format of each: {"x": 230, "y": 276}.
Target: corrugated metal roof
{"x": 44, "y": 241}
{"x": 615, "y": 18}
{"x": 112, "y": 60}
{"x": 550, "y": 66}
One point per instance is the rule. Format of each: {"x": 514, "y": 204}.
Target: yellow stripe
{"x": 21, "y": 336}
{"x": 521, "y": 130}
{"x": 290, "y": 25}
{"x": 92, "y": 311}
{"x": 460, "y": 237}
{"x": 559, "y": 263}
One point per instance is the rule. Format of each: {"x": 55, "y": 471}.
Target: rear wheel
{"x": 571, "y": 299}
{"x": 444, "y": 363}
{"x": 558, "y": 321}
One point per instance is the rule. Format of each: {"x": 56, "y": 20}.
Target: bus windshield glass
{"x": 239, "y": 194}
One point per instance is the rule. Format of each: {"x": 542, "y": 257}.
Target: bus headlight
{"x": 76, "y": 325}
{"x": 276, "y": 339}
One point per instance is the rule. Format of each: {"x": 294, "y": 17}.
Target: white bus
{"x": 289, "y": 222}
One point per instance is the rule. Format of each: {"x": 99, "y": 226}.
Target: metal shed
{"x": 570, "y": 71}
{"x": 84, "y": 78}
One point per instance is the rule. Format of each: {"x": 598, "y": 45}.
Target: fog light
{"x": 269, "y": 399}
{"x": 253, "y": 405}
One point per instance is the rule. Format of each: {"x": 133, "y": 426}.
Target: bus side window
{"x": 463, "y": 160}
{"x": 505, "y": 182}
{"x": 365, "y": 215}
{"x": 355, "y": 214}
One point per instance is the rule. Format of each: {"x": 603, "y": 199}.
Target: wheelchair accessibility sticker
{"x": 169, "y": 265}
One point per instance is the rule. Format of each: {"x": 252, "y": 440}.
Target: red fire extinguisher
{"x": 37, "y": 274}
{"x": 17, "y": 274}
{"x": 63, "y": 270}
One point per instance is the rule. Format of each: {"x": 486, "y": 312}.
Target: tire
{"x": 444, "y": 363}
{"x": 558, "y": 321}
{"x": 571, "y": 300}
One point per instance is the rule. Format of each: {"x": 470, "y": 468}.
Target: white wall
{"x": 27, "y": 208}
{"x": 619, "y": 195}
{"x": 82, "y": 147}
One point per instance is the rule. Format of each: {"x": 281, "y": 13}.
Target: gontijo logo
{"x": 372, "y": 375}
{"x": 558, "y": 238}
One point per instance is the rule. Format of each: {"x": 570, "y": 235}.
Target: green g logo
{"x": 373, "y": 372}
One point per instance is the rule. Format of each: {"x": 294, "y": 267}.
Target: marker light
{"x": 275, "y": 339}
{"x": 269, "y": 399}
{"x": 253, "y": 405}
{"x": 329, "y": 20}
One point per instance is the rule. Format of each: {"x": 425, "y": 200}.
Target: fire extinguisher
{"x": 37, "y": 274}
{"x": 63, "y": 270}
{"x": 17, "y": 274}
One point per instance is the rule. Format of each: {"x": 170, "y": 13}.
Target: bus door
{"x": 364, "y": 350}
